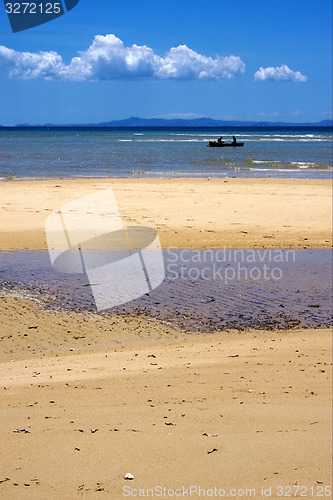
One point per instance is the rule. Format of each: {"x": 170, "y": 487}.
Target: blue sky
{"x": 243, "y": 60}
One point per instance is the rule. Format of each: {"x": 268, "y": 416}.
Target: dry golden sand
{"x": 188, "y": 213}
{"x": 140, "y": 397}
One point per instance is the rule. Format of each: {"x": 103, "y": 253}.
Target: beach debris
{"x": 233, "y": 356}
{"x": 4, "y": 480}
{"x": 99, "y": 487}
{"x": 169, "y": 423}
{"x": 210, "y": 435}
{"x": 93, "y": 431}
{"x": 212, "y": 451}
{"x": 77, "y": 449}
{"x": 21, "y": 430}
{"x": 32, "y": 327}
{"x": 128, "y": 476}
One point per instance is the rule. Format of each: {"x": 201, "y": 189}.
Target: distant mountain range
{"x": 134, "y": 121}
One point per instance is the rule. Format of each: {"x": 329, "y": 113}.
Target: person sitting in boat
{"x": 220, "y": 140}
{"x": 234, "y": 140}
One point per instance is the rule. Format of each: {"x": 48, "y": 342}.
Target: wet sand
{"x": 202, "y": 291}
{"x": 188, "y": 213}
{"x": 225, "y": 410}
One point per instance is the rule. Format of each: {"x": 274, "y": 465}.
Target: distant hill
{"x": 135, "y": 121}
{"x": 204, "y": 122}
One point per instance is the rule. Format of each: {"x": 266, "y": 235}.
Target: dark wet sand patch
{"x": 203, "y": 294}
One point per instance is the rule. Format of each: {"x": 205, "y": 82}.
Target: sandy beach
{"x": 86, "y": 401}
{"x": 187, "y": 212}
{"x": 88, "y": 398}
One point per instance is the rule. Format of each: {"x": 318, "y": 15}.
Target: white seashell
{"x": 129, "y": 476}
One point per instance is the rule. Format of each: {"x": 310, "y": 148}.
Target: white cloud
{"x": 282, "y": 73}
{"x": 108, "y": 59}
{"x": 29, "y": 65}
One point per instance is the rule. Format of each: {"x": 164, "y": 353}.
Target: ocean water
{"x": 119, "y": 152}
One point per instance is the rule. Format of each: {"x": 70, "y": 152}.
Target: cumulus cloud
{"x": 282, "y": 73}
{"x": 107, "y": 58}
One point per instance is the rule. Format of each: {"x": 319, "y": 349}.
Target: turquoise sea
{"x": 131, "y": 152}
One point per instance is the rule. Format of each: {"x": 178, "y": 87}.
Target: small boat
{"x": 215, "y": 144}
